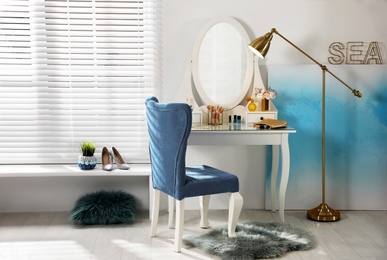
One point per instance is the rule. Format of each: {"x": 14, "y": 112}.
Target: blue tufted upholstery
{"x": 169, "y": 126}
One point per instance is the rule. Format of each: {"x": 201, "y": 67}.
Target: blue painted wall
{"x": 356, "y": 134}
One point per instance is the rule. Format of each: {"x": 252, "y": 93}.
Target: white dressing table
{"x": 222, "y": 71}
{"x": 278, "y": 138}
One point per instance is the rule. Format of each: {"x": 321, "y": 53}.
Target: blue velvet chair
{"x": 169, "y": 126}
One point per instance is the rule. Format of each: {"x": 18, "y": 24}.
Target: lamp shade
{"x": 261, "y": 45}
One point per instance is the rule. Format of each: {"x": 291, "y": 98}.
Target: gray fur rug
{"x": 254, "y": 240}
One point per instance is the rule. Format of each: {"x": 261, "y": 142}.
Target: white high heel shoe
{"x": 107, "y": 160}
{"x": 121, "y": 164}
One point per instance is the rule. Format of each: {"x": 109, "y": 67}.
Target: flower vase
{"x": 87, "y": 162}
{"x": 264, "y": 104}
{"x": 251, "y": 106}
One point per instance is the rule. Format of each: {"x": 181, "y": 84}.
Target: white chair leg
{"x": 204, "y": 203}
{"x": 171, "y": 210}
{"x": 235, "y": 208}
{"x": 179, "y": 224}
{"x": 155, "y": 211}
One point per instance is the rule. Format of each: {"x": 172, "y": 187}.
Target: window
{"x": 74, "y": 71}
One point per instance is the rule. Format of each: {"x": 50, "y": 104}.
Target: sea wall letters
{"x": 355, "y": 53}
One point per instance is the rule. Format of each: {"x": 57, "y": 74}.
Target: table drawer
{"x": 197, "y": 118}
{"x": 254, "y": 117}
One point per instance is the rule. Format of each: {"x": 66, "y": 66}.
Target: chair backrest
{"x": 169, "y": 126}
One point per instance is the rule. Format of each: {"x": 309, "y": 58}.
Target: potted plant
{"x": 87, "y": 160}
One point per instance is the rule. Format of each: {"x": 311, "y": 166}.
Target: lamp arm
{"x": 323, "y": 67}
{"x": 354, "y": 91}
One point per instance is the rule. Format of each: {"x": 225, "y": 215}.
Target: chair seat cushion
{"x": 205, "y": 180}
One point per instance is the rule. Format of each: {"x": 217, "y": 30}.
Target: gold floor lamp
{"x": 260, "y": 47}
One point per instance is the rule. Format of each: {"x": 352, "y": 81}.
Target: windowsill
{"x": 69, "y": 170}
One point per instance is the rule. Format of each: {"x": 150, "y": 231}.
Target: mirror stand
{"x": 217, "y": 51}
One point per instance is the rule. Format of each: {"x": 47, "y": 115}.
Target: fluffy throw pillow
{"x": 103, "y": 208}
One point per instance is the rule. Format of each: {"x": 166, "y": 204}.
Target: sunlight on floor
{"x": 49, "y": 250}
{"x": 137, "y": 249}
{"x": 164, "y": 250}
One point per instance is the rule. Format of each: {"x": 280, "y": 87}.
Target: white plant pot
{"x": 87, "y": 162}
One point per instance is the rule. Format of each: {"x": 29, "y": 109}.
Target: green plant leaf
{"x": 87, "y": 148}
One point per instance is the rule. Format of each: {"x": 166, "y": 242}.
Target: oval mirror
{"x": 222, "y": 65}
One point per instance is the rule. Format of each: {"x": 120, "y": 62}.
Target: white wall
{"x": 60, "y": 193}
{"x": 311, "y": 24}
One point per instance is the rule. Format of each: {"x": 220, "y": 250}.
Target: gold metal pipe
{"x": 323, "y": 67}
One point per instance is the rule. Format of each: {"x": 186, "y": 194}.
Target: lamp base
{"x": 323, "y": 213}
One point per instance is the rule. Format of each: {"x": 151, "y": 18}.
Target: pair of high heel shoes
{"x": 109, "y": 156}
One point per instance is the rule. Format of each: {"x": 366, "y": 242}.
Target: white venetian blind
{"x": 73, "y": 71}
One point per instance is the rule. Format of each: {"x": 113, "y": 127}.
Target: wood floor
{"x": 49, "y": 236}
